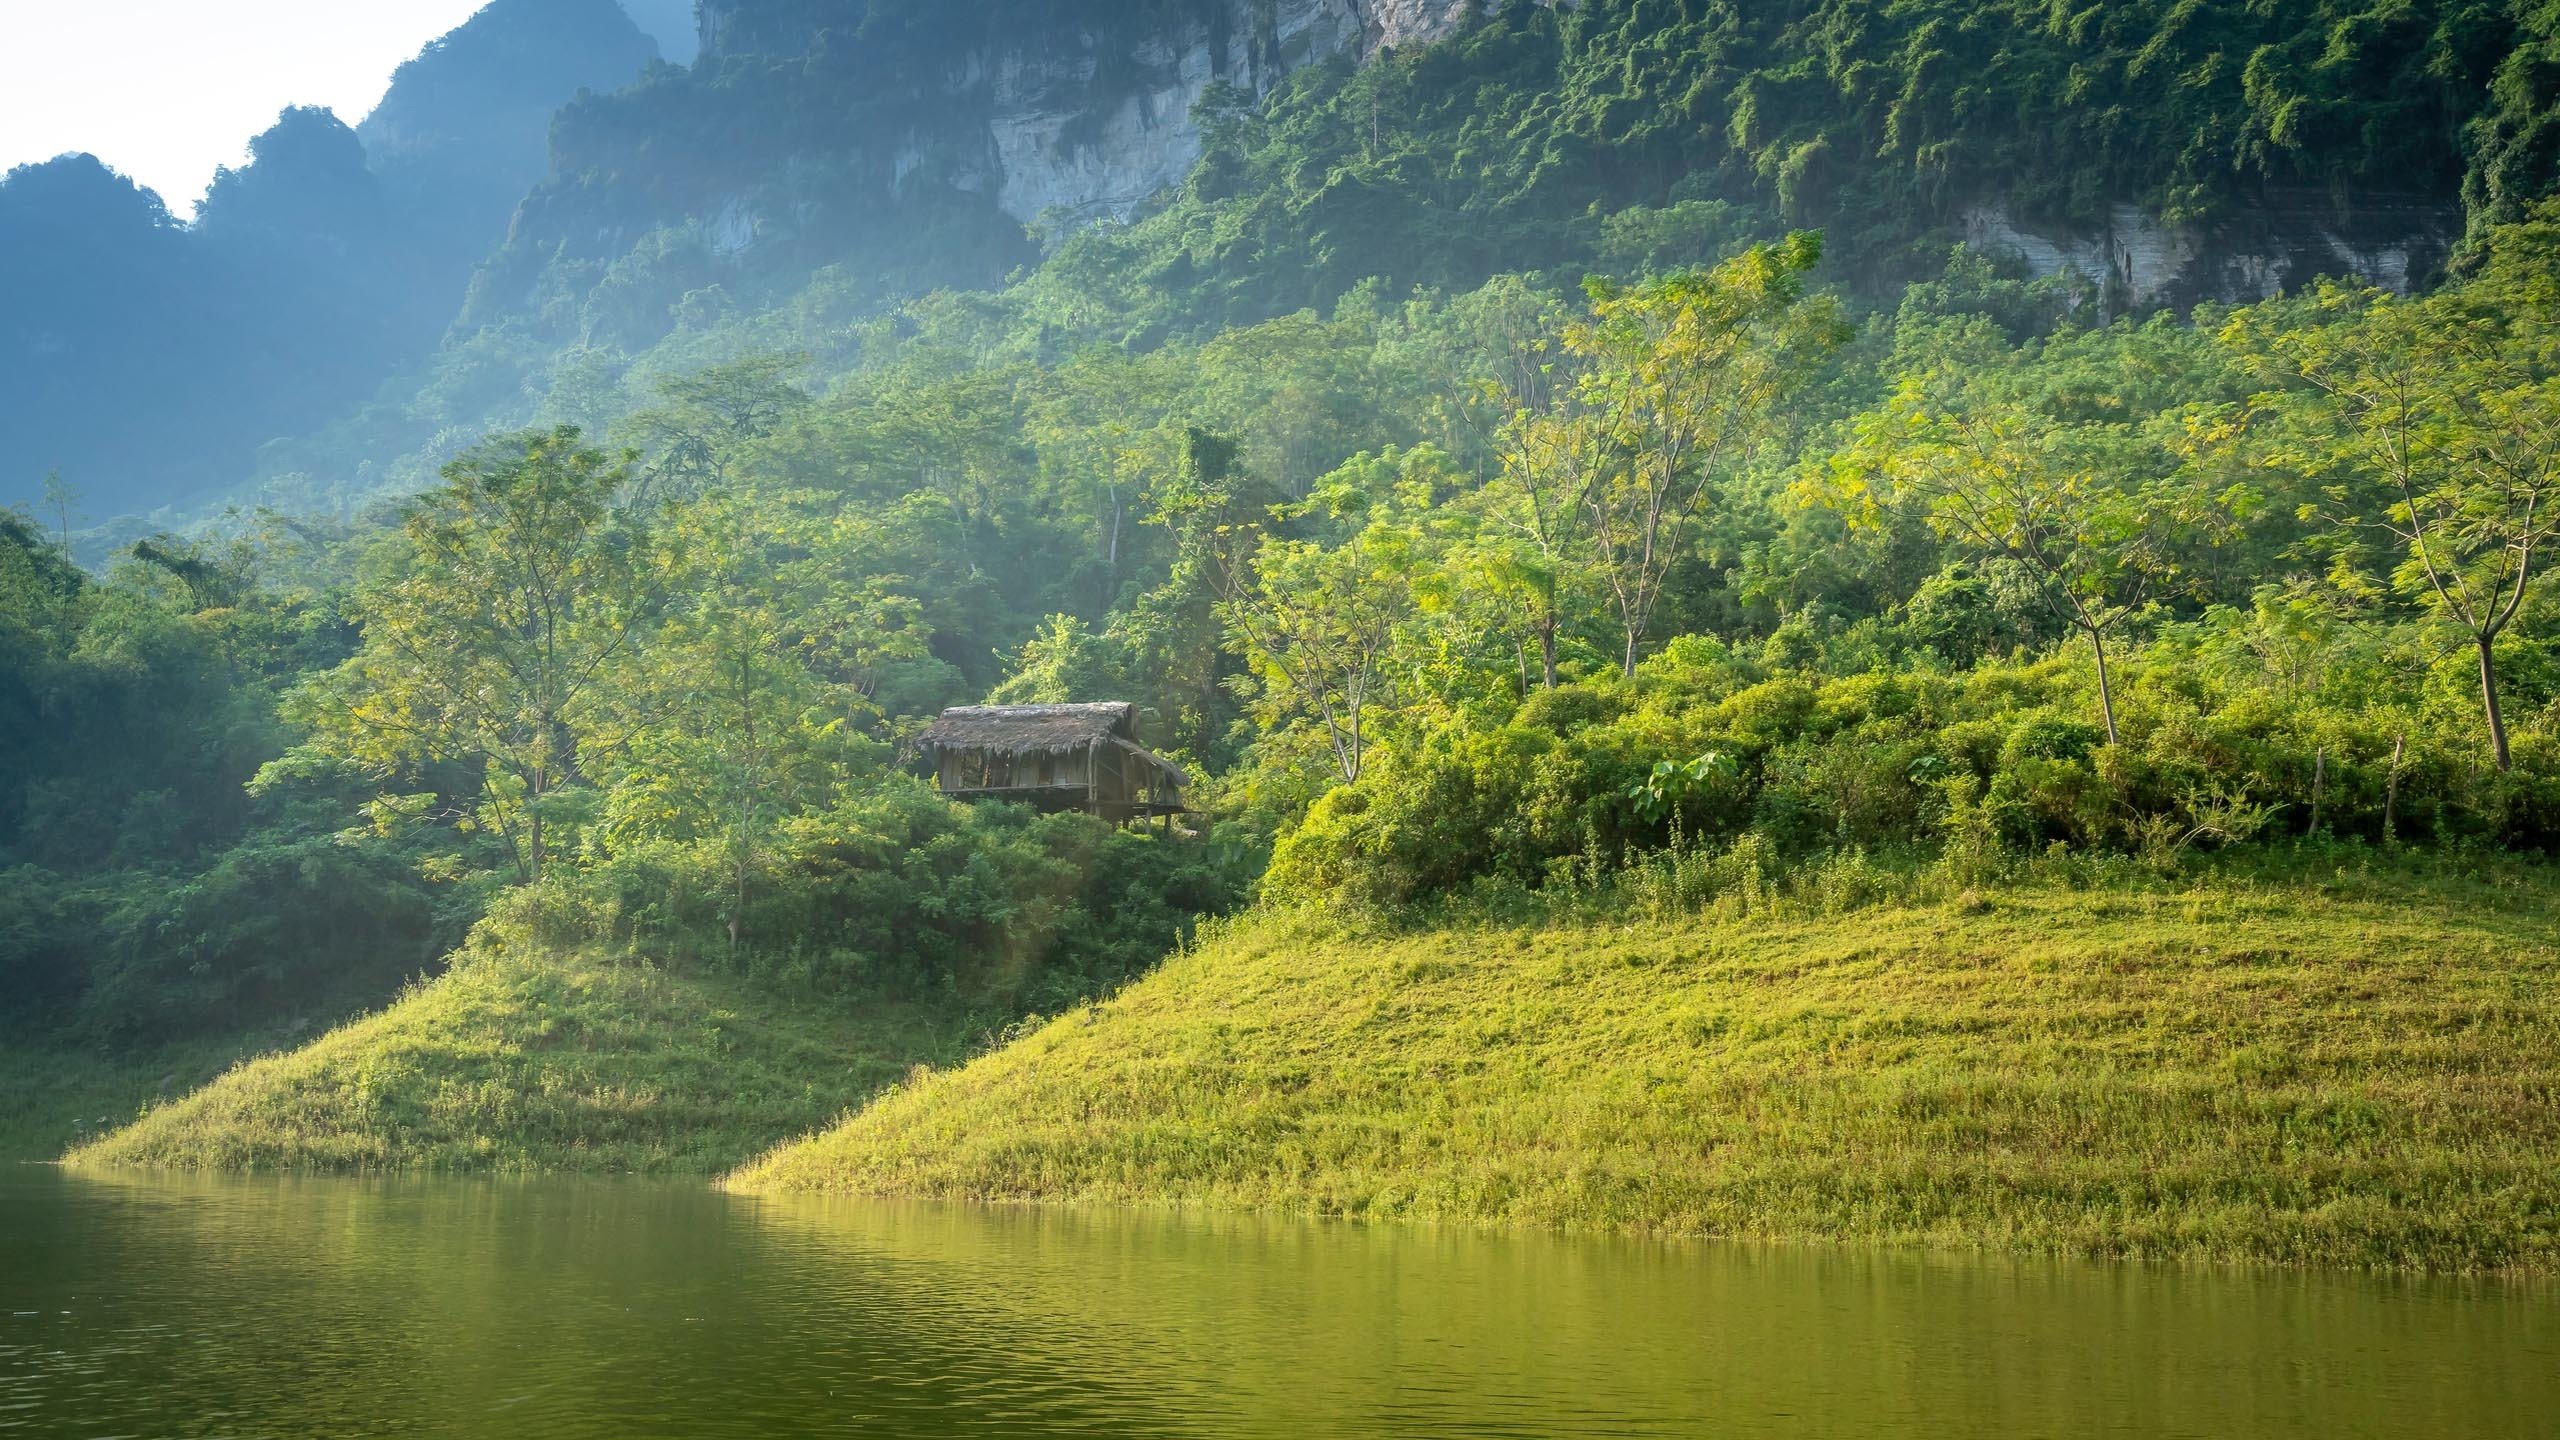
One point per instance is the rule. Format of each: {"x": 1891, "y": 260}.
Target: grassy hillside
{"x": 520, "y": 1064}
{"x": 2363, "y": 1073}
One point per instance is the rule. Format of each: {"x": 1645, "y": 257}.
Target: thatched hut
{"x": 1055, "y": 757}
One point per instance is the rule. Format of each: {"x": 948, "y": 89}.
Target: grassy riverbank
{"x": 2355, "y": 1072}
{"x": 525, "y": 1064}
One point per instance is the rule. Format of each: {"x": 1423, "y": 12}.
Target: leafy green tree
{"x": 2093, "y": 513}
{"x": 703, "y": 418}
{"x": 492, "y": 637}
{"x": 61, "y": 501}
{"x": 1318, "y": 624}
{"x": 725, "y": 727}
{"x": 1064, "y": 663}
{"x": 1535, "y": 551}
{"x": 1682, "y": 377}
{"x": 2434, "y": 424}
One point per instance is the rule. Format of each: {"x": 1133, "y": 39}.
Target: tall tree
{"x": 2435, "y": 424}
{"x": 703, "y": 420}
{"x": 490, "y": 641}
{"x": 2093, "y": 512}
{"x": 1682, "y": 377}
{"x": 742, "y": 710}
{"x": 1536, "y": 548}
{"x": 1317, "y": 623}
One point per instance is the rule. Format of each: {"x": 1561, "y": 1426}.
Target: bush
{"x": 2008, "y": 757}
{"x": 895, "y": 890}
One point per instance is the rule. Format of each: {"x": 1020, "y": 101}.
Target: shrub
{"x": 2003, "y": 760}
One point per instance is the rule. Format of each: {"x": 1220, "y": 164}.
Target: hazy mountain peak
{"x": 674, "y": 24}
{"x": 306, "y": 172}
{"x": 500, "y": 74}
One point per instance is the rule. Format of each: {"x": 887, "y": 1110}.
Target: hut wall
{"x": 984, "y": 769}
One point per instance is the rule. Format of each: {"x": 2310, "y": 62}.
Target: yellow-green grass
{"x": 2228, "y": 1072}
{"x": 524, "y": 1064}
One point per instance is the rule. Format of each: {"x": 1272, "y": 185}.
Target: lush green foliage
{"x": 1390, "y": 556}
{"x": 1708, "y": 751}
{"x": 1495, "y": 595}
{"x": 1618, "y": 137}
{"x": 147, "y": 892}
{"x": 1632, "y": 133}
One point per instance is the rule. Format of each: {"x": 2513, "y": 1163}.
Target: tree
{"x": 1318, "y": 623}
{"x": 703, "y": 418}
{"x": 1539, "y": 518}
{"x": 2087, "y": 510}
{"x": 62, "y": 501}
{"x": 1681, "y": 377}
{"x": 1062, "y": 663}
{"x": 747, "y": 702}
{"x": 2436, "y": 425}
{"x": 490, "y": 639}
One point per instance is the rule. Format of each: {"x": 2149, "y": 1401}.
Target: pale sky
{"x": 165, "y": 90}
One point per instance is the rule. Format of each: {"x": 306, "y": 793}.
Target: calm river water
{"x": 146, "y": 1307}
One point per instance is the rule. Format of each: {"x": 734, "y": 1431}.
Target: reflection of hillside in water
{"x": 1266, "y": 1326}
{"x": 601, "y": 1308}
{"x": 345, "y": 1307}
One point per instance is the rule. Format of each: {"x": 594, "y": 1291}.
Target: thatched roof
{"x": 1031, "y": 729}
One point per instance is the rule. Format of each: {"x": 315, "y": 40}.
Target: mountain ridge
{"x": 878, "y": 153}
{"x": 331, "y": 255}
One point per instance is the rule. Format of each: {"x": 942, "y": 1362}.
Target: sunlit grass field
{"x": 2343, "y": 1070}
{"x": 534, "y": 1064}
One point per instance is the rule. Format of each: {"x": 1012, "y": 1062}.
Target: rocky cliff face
{"x": 910, "y": 146}
{"x": 1061, "y": 146}
{"x": 2136, "y": 262}
{"x": 1077, "y": 118}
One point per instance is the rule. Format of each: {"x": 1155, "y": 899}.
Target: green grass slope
{"x": 2355, "y": 1075}
{"x": 533, "y": 1064}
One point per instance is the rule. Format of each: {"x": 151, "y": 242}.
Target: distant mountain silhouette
{"x": 146, "y": 360}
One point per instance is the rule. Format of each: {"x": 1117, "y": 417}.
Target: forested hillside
{"x": 1569, "y": 473}
{"x": 822, "y": 164}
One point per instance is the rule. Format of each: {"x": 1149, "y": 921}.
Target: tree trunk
{"x": 533, "y": 836}
{"x": 2489, "y": 703}
{"x": 2106, "y": 694}
{"x": 2391, "y": 794}
{"x": 1547, "y": 648}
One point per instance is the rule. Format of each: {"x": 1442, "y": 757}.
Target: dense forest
{"x": 822, "y": 168}
{"x": 1572, "y": 467}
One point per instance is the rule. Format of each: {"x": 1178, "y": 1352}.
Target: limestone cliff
{"x": 2135, "y": 261}
{"x": 910, "y": 145}
{"x": 1080, "y": 115}
{"x": 914, "y": 146}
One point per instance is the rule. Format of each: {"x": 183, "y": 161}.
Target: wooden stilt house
{"x": 1055, "y": 757}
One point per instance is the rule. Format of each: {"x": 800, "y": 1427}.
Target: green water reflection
{"x": 322, "y": 1307}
